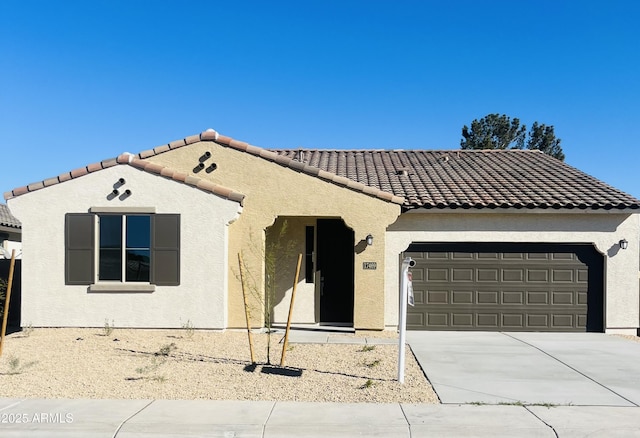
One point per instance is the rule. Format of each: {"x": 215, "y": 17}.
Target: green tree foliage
{"x": 496, "y": 131}
{"x": 542, "y": 138}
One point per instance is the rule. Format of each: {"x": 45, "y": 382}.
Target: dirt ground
{"x": 193, "y": 364}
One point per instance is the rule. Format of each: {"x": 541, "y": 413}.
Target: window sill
{"x": 122, "y": 287}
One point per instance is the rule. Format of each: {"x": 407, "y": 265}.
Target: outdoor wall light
{"x": 623, "y": 244}
{"x": 369, "y": 239}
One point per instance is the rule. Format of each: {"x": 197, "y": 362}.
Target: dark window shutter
{"x": 165, "y": 249}
{"x": 79, "y": 237}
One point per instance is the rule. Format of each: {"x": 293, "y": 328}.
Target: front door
{"x": 335, "y": 259}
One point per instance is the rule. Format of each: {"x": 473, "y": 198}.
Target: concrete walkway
{"x": 169, "y": 418}
{"x": 579, "y": 369}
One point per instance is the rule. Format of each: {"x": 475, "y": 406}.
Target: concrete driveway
{"x": 581, "y": 369}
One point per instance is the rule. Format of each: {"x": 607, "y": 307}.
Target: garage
{"x": 506, "y": 287}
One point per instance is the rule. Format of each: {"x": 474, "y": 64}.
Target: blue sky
{"x": 83, "y": 81}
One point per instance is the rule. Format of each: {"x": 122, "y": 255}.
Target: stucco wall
{"x": 306, "y": 302}
{"x": 201, "y": 296}
{"x": 604, "y": 230}
{"x": 271, "y": 191}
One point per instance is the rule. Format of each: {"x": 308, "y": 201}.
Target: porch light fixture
{"x": 369, "y": 239}
{"x": 623, "y": 244}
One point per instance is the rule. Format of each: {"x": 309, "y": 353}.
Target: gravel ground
{"x": 184, "y": 364}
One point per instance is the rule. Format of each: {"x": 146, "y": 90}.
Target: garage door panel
{"x": 539, "y": 322}
{"x": 437, "y": 274}
{"x": 418, "y": 274}
{"x": 563, "y": 321}
{"x": 462, "y": 275}
{"x": 583, "y": 276}
{"x": 513, "y": 297}
{"x": 436, "y": 297}
{"x": 487, "y": 297}
{"x": 513, "y": 321}
{"x": 487, "y": 321}
{"x": 462, "y": 319}
{"x": 492, "y": 274}
{"x": 563, "y": 298}
{"x": 562, "y": 275}
{"x": 537, "y": 275}
{"x": 544, "y": 289}
{"x": 461, "y": 297}
{"x": 437, "y": 320}
{"x": 537, "y": 297}
{"x": 582, "y": 298}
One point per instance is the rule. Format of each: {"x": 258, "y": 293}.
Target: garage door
{"x": 506, "y": 287}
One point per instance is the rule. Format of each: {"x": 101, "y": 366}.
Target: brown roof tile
{"x": 7, "y": 219}
{"x": 415, "y": 178}
{"x": 470, "y": 179}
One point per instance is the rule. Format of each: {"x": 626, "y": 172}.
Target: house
{"x": 10, "y": 232}
{"x": 503, "y": 240}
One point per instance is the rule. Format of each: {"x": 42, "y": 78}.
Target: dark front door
{"x": 335, "y": 266}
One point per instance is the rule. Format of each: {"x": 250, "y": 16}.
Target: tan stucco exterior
{"x": 274, "y": 191}
{"x": 602, "y": 229}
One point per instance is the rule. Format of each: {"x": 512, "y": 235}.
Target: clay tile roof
{"x": 470, "y": 179}
{"x": 7, "y": 219}
{"x": 514, "y": 179}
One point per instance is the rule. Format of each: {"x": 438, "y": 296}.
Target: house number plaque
{"x": 369, "y": 265}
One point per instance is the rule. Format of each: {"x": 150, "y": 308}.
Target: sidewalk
{"x": 171, "y": 418}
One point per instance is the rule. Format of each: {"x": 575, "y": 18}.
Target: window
{"x": 308, "y": 254}
{"x": 132, "y": 249}
{"x": 128, "y": 238}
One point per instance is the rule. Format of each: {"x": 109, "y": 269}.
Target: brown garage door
{"x": 506, "y": 287}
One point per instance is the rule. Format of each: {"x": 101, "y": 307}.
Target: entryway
{"x": 334, "y": 271}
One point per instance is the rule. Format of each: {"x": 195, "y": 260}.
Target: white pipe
{"x": 404, "y": 290}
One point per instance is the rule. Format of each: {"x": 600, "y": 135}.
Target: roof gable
{"x": 132, "y": 160}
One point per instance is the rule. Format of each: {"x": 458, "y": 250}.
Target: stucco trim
{"x": 130, "y": 210}
{"x": 122, "y": 287}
